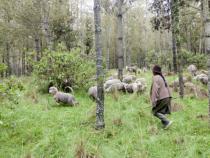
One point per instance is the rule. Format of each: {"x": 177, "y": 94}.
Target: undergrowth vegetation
{"x": 57, "y": 68}
{"x": 38, "y": 127}
{"x": 10, "y": 89}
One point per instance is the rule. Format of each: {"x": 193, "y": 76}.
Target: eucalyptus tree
{"x": 122, "y": 6}
{"x": 135, "y": 36}
{"x": 108, "y": 14}
{"x": 100, "y": 124}
{"x": 206, "y": 4}
{"x": 175, "y": 10}
{"x": 62, "y": 25}
{"x": 46, "y": 7}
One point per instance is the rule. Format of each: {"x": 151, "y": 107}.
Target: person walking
{"x": 160, "y": 97}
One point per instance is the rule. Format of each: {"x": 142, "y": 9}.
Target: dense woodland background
{"x": 29, "y": 28}
{"x": 76, "y": 45}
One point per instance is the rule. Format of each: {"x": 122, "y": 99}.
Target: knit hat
{"x": 157, "y": 69}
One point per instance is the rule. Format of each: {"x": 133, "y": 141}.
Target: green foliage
{"x": 88, "y": 41}
{"x": 57, "y": 67}
{"x": 10, "y": 88}
{"x": 199, "y": 60}
{"x": 3, "y": 68}
{"x": 163, "y": 59}
{"x": 64, "y": 33}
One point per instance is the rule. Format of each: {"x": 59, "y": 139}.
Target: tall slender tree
{"x": 174, "y": 50}
{"x": 206, "y": 4}
{"x": 100, "y": 124}
{"x": 45, "y": 15}
{"x": 122, "y": 7}
{"x": 120, "y": 53}
{"x": 176, "y": 35}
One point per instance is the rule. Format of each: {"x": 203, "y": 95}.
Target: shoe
{"x": 168, "y": 125}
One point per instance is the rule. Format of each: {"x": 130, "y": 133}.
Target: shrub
{"x": 3, "y": 68}
{"x": 55, "y": 68}
{"x": 10, "y": 89}
{"x": 199, "y": 60}
{"x": 164, "y": 59}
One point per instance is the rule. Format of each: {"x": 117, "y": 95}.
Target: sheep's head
{"x": 53, "y": 90}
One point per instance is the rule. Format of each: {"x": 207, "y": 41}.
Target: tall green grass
{"x": 38, "y": 127}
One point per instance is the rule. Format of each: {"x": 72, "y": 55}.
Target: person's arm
{"x": 155, "y": 91}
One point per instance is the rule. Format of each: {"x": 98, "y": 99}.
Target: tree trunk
{"x": 3, "y": 61}
{"x": 47, "y": 33}
{"x": 189, "y": 41}
{"x": 203, "y": 15}
{"x": 19, "y": 63}
{"x": 108, "y": 29}
{"x": 9, "y": 70}
{"x": 82, "y": 29}
{"x": 176, "y": 28}
{"x": 174, "y": 50}
{"x": 99, "y": 64}
{"x": 124, "y": 45}
{"x": 46, "y": 27}
{"x": 128, "y": 57}
{"x": 37, "y": 48}
{"x": 207, "y": 40}
{"x": 23, "y": 62}
{"x": 120, "y": 53}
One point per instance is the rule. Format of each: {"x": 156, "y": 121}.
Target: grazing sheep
{"x": 129, "y": 78}
{"x": 141, "y": 80}
{"x": 129, "y": 88}
{"x": 108, "y": 83}
{"x": 176, "y": 82}
{"x": 204, "y": 81}
{"x": 198, "y": 77}
{"x": 92, "y": 93}
{"x": 61, "y": 97}
{"x": 116, "y": 87}
{"x": 191, "y": 88}
{"x": 204, "y": 72}
{"x": 110, "y": 78}
{"x": 144, "y": 69}
{"x": 135, "y": 88}
{"x": 203, "y": 78}
{"x": 131, "y": 69}
{"x": 139, "y": 71}
{"x": 192, "y": 69}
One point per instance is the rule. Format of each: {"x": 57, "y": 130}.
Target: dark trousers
{"x": 162, "y": 108}
{"x": 162, "y": 117}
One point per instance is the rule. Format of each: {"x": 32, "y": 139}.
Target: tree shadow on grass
{"x": 61, "y": 105}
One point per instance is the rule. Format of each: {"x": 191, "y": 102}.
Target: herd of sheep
{"x": 129, "y": 84}
{"x": 201, "y": 76}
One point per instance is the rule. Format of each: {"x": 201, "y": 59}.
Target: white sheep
{"x": 61, "y": 97}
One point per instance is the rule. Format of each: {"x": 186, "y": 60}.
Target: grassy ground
{"x": 39, "y": 128}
